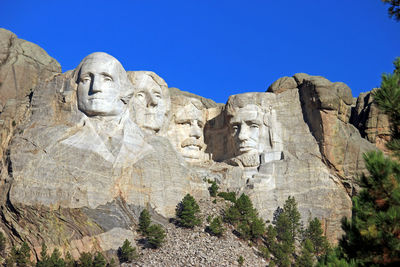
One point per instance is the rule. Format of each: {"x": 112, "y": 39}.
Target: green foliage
{"x": 372, "y": 236}
{"x": 144, "y": 221}
{"x": 245, "y": 217}
{"x": 155, "y": 235}
{"x": 394, "y": 9}
{"x": 213, "y": 188}
{"x": 55, "y": 259}
{"x": 334, "y": 258}
{"x": 127, "y": 253}
{"x": 230, "y": 196}
{"x": 2, "y": 243}
{"x": 186, "y": 212}
{"x": 99, "y": 260}
{"x": 216, "y": 227}
{"x": 282, "y": 234}
{"x": 314, "y": 233}
{"x": 306, "y": 257}
{"x": 293, "y": 215}
{"x": 264, "y": 252}
{"x": 20, "y": 257}
{"x": 85, "y": 260}
{"x": 112, "y": 263}
{"x": 69, "y": 261}
{"x": 240, "y": 260}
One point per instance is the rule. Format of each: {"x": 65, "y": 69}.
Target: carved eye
{"x": 108, "y": 79}
{"x": 157, "y": 95}
{"x": 235, "y": 128}
{"x": 86, "y": 79}
{"x": 254, "y": 126}
{"x": 140, "y": 95}
{"x": 200, "y": 124}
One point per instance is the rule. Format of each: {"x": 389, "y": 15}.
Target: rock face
{"x": 99, "y": 144}
{"x": 23, "y": 66}
{"x": 372, "y": 123}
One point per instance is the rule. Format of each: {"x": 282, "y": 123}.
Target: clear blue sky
{"x": 216, "y": 48}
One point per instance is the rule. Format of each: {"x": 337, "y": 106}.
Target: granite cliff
{"x": 84, "y": 151}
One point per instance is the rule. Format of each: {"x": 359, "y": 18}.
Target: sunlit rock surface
{"x": 98, "y": 144}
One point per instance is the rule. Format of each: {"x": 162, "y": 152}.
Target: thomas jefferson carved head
{"x": 102, "y": 85}
{"x": 151, "y": 101}
{"x": 187, "y": 126}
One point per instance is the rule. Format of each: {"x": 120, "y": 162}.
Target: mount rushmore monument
{"x": 84, "y": 151}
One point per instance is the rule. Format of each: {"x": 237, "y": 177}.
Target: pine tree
{"x": 372, "y": 236}
{"x": 99, "y": 260}
{"x": 22, "y": 255}
{"x": 291, "y": 211}
{"x": 85, "y": 260}
{"x": 216, "y": 228}
{"x": 2, "y": 243}
{"x": 144, "y": 221}
{"x": 69, "y": 261}
{"x": 127, "y": 253}
{"x": 155, "y": 235}
{"x": 281, "y": 237}
{"x": 186, "y": 212}
{"x": 44, "y": 260}
{"x": 213, "y": 189}
{"x": 394, "y": 9}
{"x": 315, "y": 234}
{"x": 55, "y": 259}
{"x": 307, "y": 253}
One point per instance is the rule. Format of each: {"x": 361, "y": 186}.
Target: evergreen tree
{"x": 186, "y": 212}
{"x": 216, "y": 228}
{"x": 281, "y": 236}
{"x": 144, "y": 221}
{"x": 307, "y": 253}
{"x": 55, "y": 259}
{"x": 85, "y": 260}
{"x": 22, "y": 255}
{"x": 44, "y": 260}
{"x": 315, "y": 234}
{"x": 127, "y": 253}
{"x": 372, "y": 236}
{"x": 243, "y": 215}
{"x": 293, "y": 215}
{"x": 2, "y": 243}
{"x": 99, "y": 260}
{"x": 69, "y": 261}
{"x": 213, "y": 189}
{"x": 155, "y": 235}
{"x": 394, "y": 9}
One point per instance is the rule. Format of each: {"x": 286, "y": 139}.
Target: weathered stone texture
{"x": 78, "y": 171}
{"x": 23, "y": 65}
{"x": 372, "y": 123}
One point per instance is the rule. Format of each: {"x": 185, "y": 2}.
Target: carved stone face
{"x": 150, "y": 104}
{"x": 186, "y": 133}
{"x": 247, "y": 129}
{"x": 99, "y": 86}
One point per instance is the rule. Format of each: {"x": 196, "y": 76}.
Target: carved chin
{"x": 192, "y": 153}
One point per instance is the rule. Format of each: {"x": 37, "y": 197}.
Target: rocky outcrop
{"x": 98, "y": 144}
{"x": 372, "y": 123}
{"x": 327, "y": 107}
{"x": 23, "y": 66}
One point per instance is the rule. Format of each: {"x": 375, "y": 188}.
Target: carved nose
{"x": 243, "y": 133}
{"x": 195, "y": 131}
{"x": 96, "y": 86}
{"x": 151, "y": 101}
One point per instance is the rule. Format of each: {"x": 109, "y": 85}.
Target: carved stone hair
{"x": 236, "y": 102}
